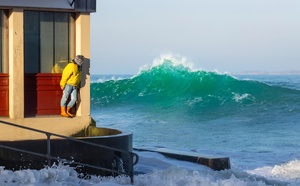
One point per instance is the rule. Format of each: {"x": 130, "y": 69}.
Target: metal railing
{"x": 133, "y": 157}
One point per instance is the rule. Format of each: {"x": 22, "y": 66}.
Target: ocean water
{"x": 252, "y": 119}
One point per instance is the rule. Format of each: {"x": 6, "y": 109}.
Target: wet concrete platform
{"x": 215, "y": 163}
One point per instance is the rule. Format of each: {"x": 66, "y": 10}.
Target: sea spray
{"x": 177, "y": 173}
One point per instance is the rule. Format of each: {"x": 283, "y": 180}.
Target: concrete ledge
{"x": 53, "y": 124}
{"x": 215, "y": 163}
{"x": 108, "y": 155}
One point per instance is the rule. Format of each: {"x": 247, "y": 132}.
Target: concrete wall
{"x": 82, "y": 43}
{"x": 16, "y": 63}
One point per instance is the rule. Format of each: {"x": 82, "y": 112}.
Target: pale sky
{"x": 223, "y": 35}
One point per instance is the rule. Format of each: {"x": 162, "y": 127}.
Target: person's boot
{"x": 63, "y": 112}
{"x": 69, "y": 112}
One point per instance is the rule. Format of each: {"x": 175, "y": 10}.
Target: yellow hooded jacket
{"x": 71, "y": 75}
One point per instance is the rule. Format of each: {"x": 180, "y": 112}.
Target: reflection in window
{"x": 48, "y": 38}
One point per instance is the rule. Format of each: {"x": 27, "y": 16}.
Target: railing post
{"x": 131, "y": 168}
{"x": 48, "y": 149}
{"x": 132, "y": 163}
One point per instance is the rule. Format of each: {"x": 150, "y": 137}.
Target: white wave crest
{"x": 289, "y": 172}
{"x": 176, "y": 59}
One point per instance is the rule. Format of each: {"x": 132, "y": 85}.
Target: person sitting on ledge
{"x": 69, "y": 83}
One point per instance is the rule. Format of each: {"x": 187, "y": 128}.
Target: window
{"x": 48, "y": 41}
{"x": 3, "y": 42}
{"x": 1, "y": 24}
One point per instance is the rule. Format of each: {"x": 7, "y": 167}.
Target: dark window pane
{"x": 1, "y": 24}
{"x": 3, "y": 42}
{"x": 31, "y": 41}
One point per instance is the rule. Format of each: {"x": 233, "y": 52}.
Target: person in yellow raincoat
{"x": 69, "y": 83}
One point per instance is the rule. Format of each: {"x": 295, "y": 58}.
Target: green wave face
{"x": 177, "y": 87}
